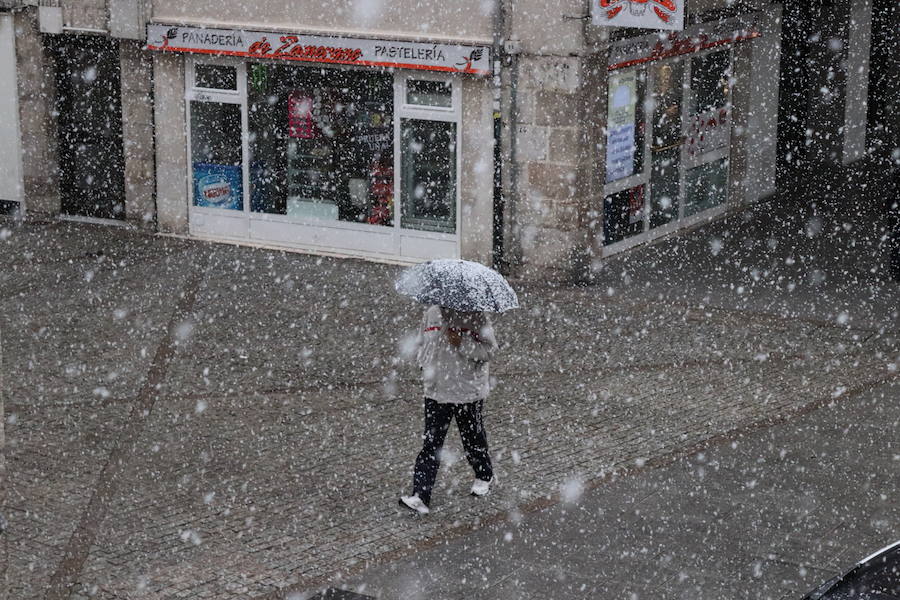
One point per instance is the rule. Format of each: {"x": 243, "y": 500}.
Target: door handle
{"x": 664, "y": 148}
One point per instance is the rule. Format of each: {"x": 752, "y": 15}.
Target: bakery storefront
{"x": 340, "y": 145}
{"x": 670, "y": 126}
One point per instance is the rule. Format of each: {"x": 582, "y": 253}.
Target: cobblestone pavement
{"x": 770, "y": 513}
{"x": 198, "y": 420}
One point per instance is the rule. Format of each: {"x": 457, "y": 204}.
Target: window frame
{"x": 404, "y": 110}
{"x": 403, "y": 237}
{"x": 238, "y": 97}
{"x": 686, "y": 162}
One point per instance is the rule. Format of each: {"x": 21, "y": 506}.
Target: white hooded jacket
{"x": 455, "y": 375}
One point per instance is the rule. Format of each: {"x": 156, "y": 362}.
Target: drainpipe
{"x": 497, "y": 19}
{"x": 507, "y": 51}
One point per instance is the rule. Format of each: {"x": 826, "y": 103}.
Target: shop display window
{"x": 666, "y": 101}
{"x": 667, "y": 143}
{"x": 665, "y": 186}
{"x": 216, "y": 155}
{"x": 623, "y": 214}
{"x": 321, "y": 143}
{"x": 709, "y": 122}
{"x": 428, "y": 151}
{"x": 707, "y": 187}
{"x": 625, "y": 124}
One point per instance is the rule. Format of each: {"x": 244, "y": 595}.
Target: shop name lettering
{"x": 198, "y": 38}
{"x": 675, "y": 45}
{"x": 393, "y": 52}
{"x": 289, "y": 46}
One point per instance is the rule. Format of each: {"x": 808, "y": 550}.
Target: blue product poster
{"x": 218, "y": 186}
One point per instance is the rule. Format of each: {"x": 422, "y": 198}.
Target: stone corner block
{"x": 551, "y": 73}
{"x": 559, "y": 109}
{"x": 552, "y": 180}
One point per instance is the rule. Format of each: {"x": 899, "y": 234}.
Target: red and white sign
{"x": 449, "y": 58}
{"x": 643, "y": 14}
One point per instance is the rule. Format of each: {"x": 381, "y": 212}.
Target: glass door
{"x": 666, "y": 141}
{"x": 428, "y": 191}
{"x": 216, "y": 137}
{"x": 216, "y": 157}
{"x": 428, "y": 163}
{"x": 708, "y": 132}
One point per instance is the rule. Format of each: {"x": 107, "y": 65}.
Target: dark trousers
{"x": 471, "y": 430}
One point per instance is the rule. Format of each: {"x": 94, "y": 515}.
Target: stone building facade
{"x": 692, "y": 133}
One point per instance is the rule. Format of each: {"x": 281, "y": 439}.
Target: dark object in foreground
{"x": 876, "y": 577}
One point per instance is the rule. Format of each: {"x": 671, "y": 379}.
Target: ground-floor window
{"x": 668, "y": 137}
{"x": 326, "y": 147}
{"x": 321, "y": 143}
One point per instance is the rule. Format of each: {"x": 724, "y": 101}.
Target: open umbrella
{"x": 462, "y": 285}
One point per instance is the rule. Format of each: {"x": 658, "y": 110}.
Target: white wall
{"x": 171, "y": 143}
{"x": 477, "y": 176}
{"x": 11, "y": 185}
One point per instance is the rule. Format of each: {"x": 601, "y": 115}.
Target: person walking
{"x": 454, "y": 350}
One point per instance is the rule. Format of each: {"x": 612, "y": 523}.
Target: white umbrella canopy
{"x": 462, "y": 285}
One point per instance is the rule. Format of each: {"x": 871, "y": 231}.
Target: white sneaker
{"x": 414, "y": 503}
{"x": 482, "y": 487}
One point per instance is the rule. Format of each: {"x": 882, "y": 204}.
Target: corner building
{"x": 527, "y": 134}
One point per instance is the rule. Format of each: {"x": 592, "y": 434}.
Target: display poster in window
{"x": 620, "y": 133}
{"x": 640, "y": 14}
{"x": 373, "y": 132}
{"x": 300, "y": 116}
{"x": 636, "y": 205}
{"x": 218, "y": 186}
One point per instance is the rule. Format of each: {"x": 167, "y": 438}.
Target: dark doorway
{"x": 883, "y": 131}
{"x": 89, "y": 126}
{"x": 814, "y": 36}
